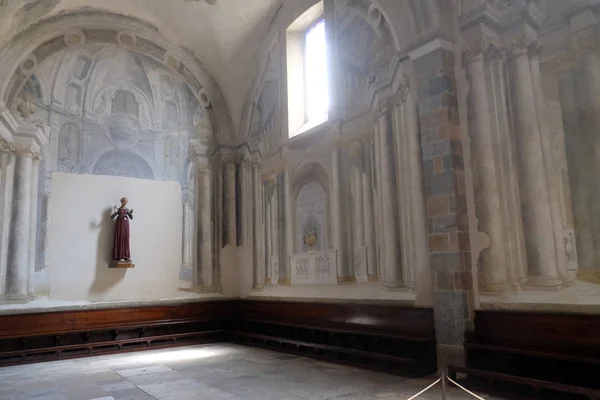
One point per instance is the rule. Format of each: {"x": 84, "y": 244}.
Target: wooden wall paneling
{"x": 534, "y": 355}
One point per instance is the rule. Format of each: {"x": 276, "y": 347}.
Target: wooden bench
{"x": 35, "y": 337}
{"x": 391, "y": 338}
{"x": 534, "y": 355}
{"x": 394, "y": 339}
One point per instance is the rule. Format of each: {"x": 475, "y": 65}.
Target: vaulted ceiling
{"x": 225, "y": 35}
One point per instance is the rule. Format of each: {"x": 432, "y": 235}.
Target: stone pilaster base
{"x": 346, "y": 279}
{"x": 17, "y": 298}
{"x": 536, "y": 283}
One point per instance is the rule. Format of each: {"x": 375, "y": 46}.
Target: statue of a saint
{"x": 121, "y": 240}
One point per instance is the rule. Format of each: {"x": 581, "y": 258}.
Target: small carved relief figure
{"x": 569, "y": 247}
{"x": 121, "y": 240}
{"x": 310, "y": 236}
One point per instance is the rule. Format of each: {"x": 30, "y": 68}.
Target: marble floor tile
{"x": 210, "y": 372}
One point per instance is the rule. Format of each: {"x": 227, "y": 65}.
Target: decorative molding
{"x": 6, "y": 146}
{"x": 26, "y": 150}
{"x": 430, "y": 47}
{"x": 74, "y": 38}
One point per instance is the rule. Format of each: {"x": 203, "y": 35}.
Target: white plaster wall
{"x": 81, "y": 232}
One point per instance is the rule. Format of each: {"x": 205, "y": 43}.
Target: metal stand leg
{"x": 443, "y": 386}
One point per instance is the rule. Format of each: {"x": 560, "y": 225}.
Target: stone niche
{"x": 117, "y": 114}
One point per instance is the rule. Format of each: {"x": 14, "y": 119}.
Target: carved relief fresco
{"x": 135, "y": 120}
{"x": 362, "y": 54}
{"x": 264, "y": 123}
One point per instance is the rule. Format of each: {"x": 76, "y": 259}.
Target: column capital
{"x": 518, "y": 46}
{"x": 198, "y": 148}
{"x": 403, "y": 90}
{"x": 384, "y": 107}
{"x": 6, "y": 146}
{"x": 483, "y": 49}
{"x": 28, "y": 150}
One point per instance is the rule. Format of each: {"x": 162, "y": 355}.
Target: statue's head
{"x": 124, "y": 201}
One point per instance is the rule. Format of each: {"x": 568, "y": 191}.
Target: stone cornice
{"x": 485, "y": 13}
{"x": 574, "y": 51}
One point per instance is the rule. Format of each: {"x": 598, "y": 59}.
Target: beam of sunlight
{"x": 317, "y": 85}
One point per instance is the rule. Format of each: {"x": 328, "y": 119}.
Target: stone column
{"x": 205, "y": 217}
{"x": 46, "y": 212}
{"x": 186, "y": 245}
{"x": 35, "y": 168}
{"x": 258, "y": 281}
{"x": 416, "y": 261}
{"x": 269, "y": 236}
{"x": 17, "y": 277}
{"x": 492, "y": 262}
{"x": 335, "y": 211}
{"x": 263, "y": 229}
{"x": 289, "y": 228}
{"x": 275, "y": 225}
{"x": 246, "y": 198}
{"x": 368, "y": 195}
{"x": 7, "y": 167}
{"x": 358, "y": 209}
{"x": 536, "y": 213}
{"x": 553, "y": 174}
{"x": 231, "y": 223}
{"x": 589, "y": 114}
{"x": 580, "y": 167}
{"x": 378, "y": 215}
{"x": 391, "y": 264}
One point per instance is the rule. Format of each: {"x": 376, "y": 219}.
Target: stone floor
{"x": 210, "y": 372}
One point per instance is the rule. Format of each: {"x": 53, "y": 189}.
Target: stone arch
{"x": 122, "y": 163}
{"x": 288, "y": 14}
{"x": 53, "y": 34}
{"x": 310, "y": 169}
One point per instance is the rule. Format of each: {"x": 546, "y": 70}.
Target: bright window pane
{"x": 315, "y": 59}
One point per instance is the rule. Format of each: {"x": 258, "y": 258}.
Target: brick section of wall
{"x": 446, "y": 205}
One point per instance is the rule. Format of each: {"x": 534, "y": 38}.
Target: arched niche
{"x": 311, "y": 205}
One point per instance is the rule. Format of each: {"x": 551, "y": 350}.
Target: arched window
{"x": 125, "y": 102}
